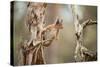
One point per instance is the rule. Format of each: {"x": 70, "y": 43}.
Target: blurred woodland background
{"x": 62, "y": 50}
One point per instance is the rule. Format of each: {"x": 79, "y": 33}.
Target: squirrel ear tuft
{"x": 57, "y": 21}
{"x": 28, "y": 4}
{"x": 61, "y": 21}
{"x": 44, "y": 5}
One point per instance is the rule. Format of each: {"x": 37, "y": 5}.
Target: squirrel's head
{"x": 59, "y": 24}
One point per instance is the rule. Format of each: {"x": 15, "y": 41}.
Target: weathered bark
{"x": 32, "y": 50}
{"x": 81, "y": 52}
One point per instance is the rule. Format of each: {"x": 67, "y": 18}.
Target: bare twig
{"x": 88, "y": 22}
